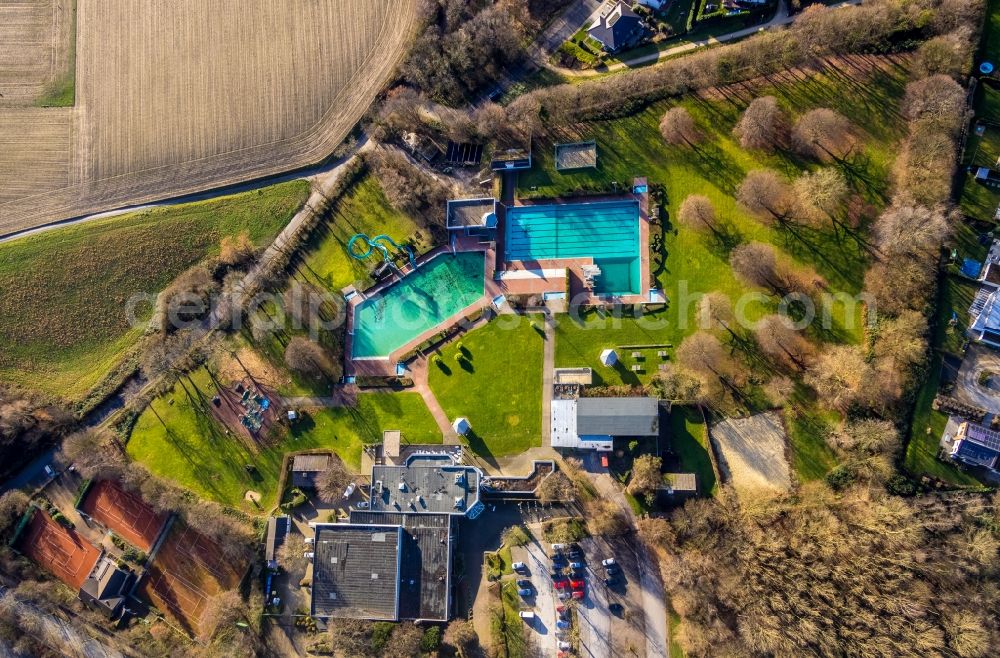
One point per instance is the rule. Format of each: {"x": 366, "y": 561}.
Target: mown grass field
{"x": 978, "y": 201}
{"x": 497, "y": 385}
{"x": 64, "y": 294}
{"x": 865, "y": 90}
{"x": 582, "y": 336}
{"x": 177, "y": 441}
{"x": 688, "y": 438}
{"x": 362, "y": 209}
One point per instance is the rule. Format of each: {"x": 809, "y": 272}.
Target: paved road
{"x": 548, "y": 365}
{"x": 593, "y": 616}
{"x": 654, "y": 601}
{"x": 545, "y": 600}
{"x": 781, "y": 18}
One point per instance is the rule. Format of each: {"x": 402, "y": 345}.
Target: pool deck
{"x": 532, "y": 282}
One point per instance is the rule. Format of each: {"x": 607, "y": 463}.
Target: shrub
{"x": 431, "y": 639}
{"x": 840, "y": 478}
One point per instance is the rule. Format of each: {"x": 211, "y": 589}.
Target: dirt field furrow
{"x": 194, "y": 94}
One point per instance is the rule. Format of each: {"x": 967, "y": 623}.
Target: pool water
{"x": 438, "y": 290}
{"x": 607, "y": 231}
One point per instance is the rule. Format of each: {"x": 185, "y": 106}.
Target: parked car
{"x": 609, "y": 562}
{"x": 310, "y": 540}
{"x": 527, "y": 614}
{"x": 612, "y": 570}
{"x": 524, "y": 583}
{"x": 575, "y": 554}
{"x": 564, "y": 594}
{"x": 363, "y": 504}
{"x": 562, "y": 623}
{"x": 558, "y": 548}
{"x": 309, "y": 555}
{"x": 560, "y": 584}
{"x": 565, "y": 645}
{"x": 558, "y": 560}
{"x": 519, "y": 566}
{"x": 576, "y": 584}
{"x": 610, "y": 581}
{"x": 524, "y": 591}
{"x": 616, "y": 608}
{"x": 578, "y": 594}
{"x": 576, "y": 565}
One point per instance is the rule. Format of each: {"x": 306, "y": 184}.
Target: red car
{"x": 560, "y": 584}
{"x": 561, "y": 609}
{"x": 576, "y": 584}
{"x": 578, "y": 594}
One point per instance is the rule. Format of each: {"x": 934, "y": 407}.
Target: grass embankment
{"x": 64, "y": 294}
{"x": 177, "y": 440}
{"x": 362, "y": 209}
{"x": 497, "y": 384}
{"x": 685, "y": 263}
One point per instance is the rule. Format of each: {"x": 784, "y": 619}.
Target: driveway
{"x": 654, "y": 604}
{"x": 979, "y": 359}
{"x": 545, "y": 600}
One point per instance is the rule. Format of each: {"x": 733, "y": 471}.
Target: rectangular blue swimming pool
{"x": 607, "y": 231}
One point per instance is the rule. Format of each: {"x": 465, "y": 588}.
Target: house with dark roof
{"x": 617, "y": 27}
{"x": 976, "y": 445}
{"x": 106, "y": 587}
{"x": 306, "y": 468}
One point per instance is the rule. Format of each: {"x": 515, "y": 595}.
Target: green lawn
{"x": 978, "y": 201}
{"x": 990, "y": 50}
{"x": 690, "y": 263}
{"x": 175, "y": 440}
{"x": 362, "y": 209}
{"x": 64, "y": 293}
{"x": 808, "y": 426}
{"x": 582, "y": 336}
{"x": 497, "y": 386}
{"x": 688, "y": 437}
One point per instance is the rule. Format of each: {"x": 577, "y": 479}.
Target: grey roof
{"x": 681, "y": 481}
{"x": 428, "y": 487}
{"x": 974, "y": 453}
{"x": 470, "y": 212}
{"x": 356, "y": 571}
{"x": 617, "y": 417}
{"x": 106, "y": 586}
{"x": 310, "y": 463}
{"x": 618, "y": 28}
{"x": 277, "y": 530}
{"x": 425, "y": 563}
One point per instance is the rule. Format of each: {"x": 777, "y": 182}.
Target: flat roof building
{"x": 426, "y": 485}
{"x": 424, "y": 564}
{"x": 594, "y": 423}
{"x": 277, "y": 532}
{"x": 466, "y": 214}
{"x": 356, "y": 571}
{"x": 306, "y": 468}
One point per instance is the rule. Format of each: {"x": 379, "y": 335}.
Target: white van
{"x": 527, "y": 614}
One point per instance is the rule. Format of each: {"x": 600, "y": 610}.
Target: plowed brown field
{"x": 187, "y": 95}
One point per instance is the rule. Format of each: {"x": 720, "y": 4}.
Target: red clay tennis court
{"x": 123, "y": 512}
{"x": 58, "y": 549}
{"x": 187, "y": 571}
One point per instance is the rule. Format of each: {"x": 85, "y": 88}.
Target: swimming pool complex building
{"x": 584, "y": 251}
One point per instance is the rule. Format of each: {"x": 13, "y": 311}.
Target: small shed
{"x": 306, "y": 468}
{"x": 609, "y": 357}
{"x": 461, "y": 426}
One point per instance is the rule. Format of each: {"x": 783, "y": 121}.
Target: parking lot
{"x": 598, "y": 632}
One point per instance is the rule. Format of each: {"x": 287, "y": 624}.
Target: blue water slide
{"x": 375, "y": 243}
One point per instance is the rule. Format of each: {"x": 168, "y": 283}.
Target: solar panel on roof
{"x": 984, "y": 436}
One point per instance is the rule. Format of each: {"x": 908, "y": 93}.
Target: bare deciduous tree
{"x": 646, "y": 478}
{"x": 936, "y": 101}
{"x": 678, "y": 127}
{"x": 823, "y": 134}
{"x": 309, "y": 358}
{"x": 698, "y": 213}
{"x": 948, "y": 54}
{"x": 556, "y": 487}
{"x": 763, "y": 125}
{"x": 404, "y": 641}
{"x": 783, "y": 343}
{"x": 332, "y": 482}
{"x": 821, "y": 195}
{"x": 461, "y": 635}
{"x": 841, "y": 376}
{"x": 765, "y": 194}
{"x": 757, "y": 264}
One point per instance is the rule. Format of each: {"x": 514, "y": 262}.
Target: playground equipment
{"x": 376, "y": 243}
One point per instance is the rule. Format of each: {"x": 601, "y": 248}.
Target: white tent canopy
{"x": 609, "y": 357}
{"x": 461, "y": 425}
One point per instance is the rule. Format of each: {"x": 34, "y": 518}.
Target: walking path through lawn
{"x": 418, "y": 372}
{"x": 548, "y": 364}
